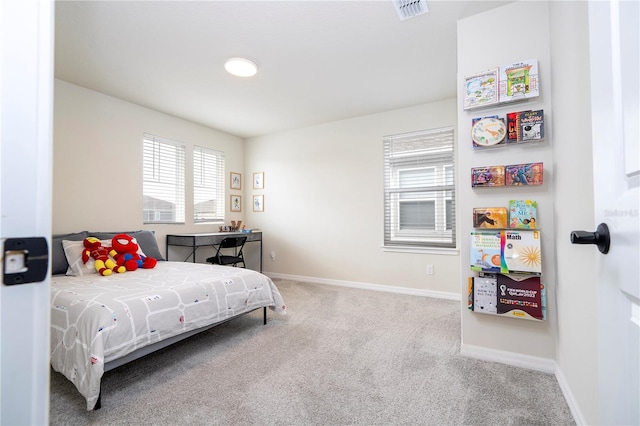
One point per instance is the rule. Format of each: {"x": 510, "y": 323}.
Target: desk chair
{"x": 223, "y": 257}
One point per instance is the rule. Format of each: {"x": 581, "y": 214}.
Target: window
{"x": 163, "y": 180}
{"x": 419, "y": 191}
{"x": 208, "y": 185}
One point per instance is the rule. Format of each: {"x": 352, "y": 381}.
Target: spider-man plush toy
{"x": 126, "y": 248}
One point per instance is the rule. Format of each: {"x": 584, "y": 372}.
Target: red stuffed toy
{"x": 125, "y": 252}
{"x": 104, "y": 264}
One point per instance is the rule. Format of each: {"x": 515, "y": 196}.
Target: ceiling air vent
{"x": 409, "y": 8}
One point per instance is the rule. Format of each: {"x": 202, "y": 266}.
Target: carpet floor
{"x": 340, "y": 356}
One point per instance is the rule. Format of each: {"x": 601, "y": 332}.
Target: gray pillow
{"x": 146, "y": 240}
{"x": 59, "y": 263}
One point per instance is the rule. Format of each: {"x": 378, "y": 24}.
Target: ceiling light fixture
{"x": 241, "y": 67}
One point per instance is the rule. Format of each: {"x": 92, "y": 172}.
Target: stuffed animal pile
{"x": 123, "y": 255}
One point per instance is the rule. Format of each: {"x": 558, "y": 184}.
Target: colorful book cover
{"x": 518, "y": 81}
{"x": 524, "y": 174}
{"x": 488, "y": 131}
{"x": 481, "y": 89}
{"x": 513, "y": 127}
{"x": 485, "y": 249}
{"x": 487, "y": 176}
{"x": 490, "y": 217}
{"x": 532, "y": 125}
{"x": 520, "y": 296}
{"x": 520, "y": 252}
{"x": 523, "y": 214}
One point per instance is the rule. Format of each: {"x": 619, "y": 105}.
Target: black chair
{"x": 223, "y": 257}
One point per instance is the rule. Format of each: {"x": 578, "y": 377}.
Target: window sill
{"x": 422, "y": 250}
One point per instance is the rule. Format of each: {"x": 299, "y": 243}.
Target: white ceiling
{"x": 319, "y": 61}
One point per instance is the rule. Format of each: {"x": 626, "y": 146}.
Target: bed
{"x": 101, "y": 322}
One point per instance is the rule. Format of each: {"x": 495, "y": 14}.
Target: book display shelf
{"x": 504, "y": 246}
{"x": 505, "y": 253}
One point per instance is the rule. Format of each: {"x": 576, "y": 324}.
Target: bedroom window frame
{"x": 208, "y": 185}
{"x": 419, "y": 190}
{"x": 163, "y": 176}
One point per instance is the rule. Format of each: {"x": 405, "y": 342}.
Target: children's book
{"x": 512, "y": 295}
{"x": 487, "y": 176}
{"x": 531, "y": 125}
{"x": 490, "y": 217}
{"x": 518, "y": 81}
{"x": 506, "y": 251}
{"x": 488, "y": 131}
{"x": 513, "y": 127}
{"x": 520, "y": 251}
{"x": 481, "y": 89}
{"x": 524, "y": 174}
{"x": 485, "y": 294}
{"x": 523, "y": 214}
{"x": 485, "y": 251}
{"x": 520, "y": 296}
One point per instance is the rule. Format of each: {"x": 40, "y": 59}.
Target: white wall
{"x": 323, "y": 213}
{"x": 97, "y": 173}
{"x": 557, "y": 34}
{"x": 509, "y": 40}
{"x": 576, "y": 287}
{"x": 324, "y": 208}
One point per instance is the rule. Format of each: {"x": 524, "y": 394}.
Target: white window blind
{"x": 163, "y": 180}
{"x": 208, "y": 185}
{"x": 419, "y": 189}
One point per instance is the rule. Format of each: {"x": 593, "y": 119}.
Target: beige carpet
{"x": 340, "y": 357}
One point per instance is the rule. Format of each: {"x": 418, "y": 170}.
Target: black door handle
{"x": 600, "y": 238}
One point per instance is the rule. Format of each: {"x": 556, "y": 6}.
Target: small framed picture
{"x": 235, "y": 180}
{"x": 258, "y": 203}
{"x": 258, "y": 180}
{"x": 236, "y": 203}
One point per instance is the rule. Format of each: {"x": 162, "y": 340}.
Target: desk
{"x": 199, "y": 240}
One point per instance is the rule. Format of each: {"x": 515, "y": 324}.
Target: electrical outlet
{"x": 273, "y": 255}
{"x": 429, "y": 269}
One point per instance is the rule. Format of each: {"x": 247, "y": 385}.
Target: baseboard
{"x": 568, "y": 396}
{"x": 544, "y": 365}
{"x": 367, "y": 286}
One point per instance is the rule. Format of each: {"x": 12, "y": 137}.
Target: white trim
{"x": 422, "y": 250}
{"x": 368, "y": 286}
{"x": 574, "y": 407}
{"x": 545, "y": 365}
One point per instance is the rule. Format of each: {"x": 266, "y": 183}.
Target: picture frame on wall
{"x": 258, "y": 180}
{"x": 258, "y": 203}
{"x": 236, "y": 203}
{"x": 235, "y": 180}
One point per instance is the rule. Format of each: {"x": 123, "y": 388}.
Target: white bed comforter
{"x": 96, "y": 319}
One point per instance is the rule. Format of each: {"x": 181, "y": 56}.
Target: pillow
{"x": 59, "y": 263}
{"x": 73, "y": 252}
{"x": 146, "y": 240}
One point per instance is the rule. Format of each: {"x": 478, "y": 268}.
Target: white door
{"x": 615, "y": 48}
{"x": 26, "y": 89}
